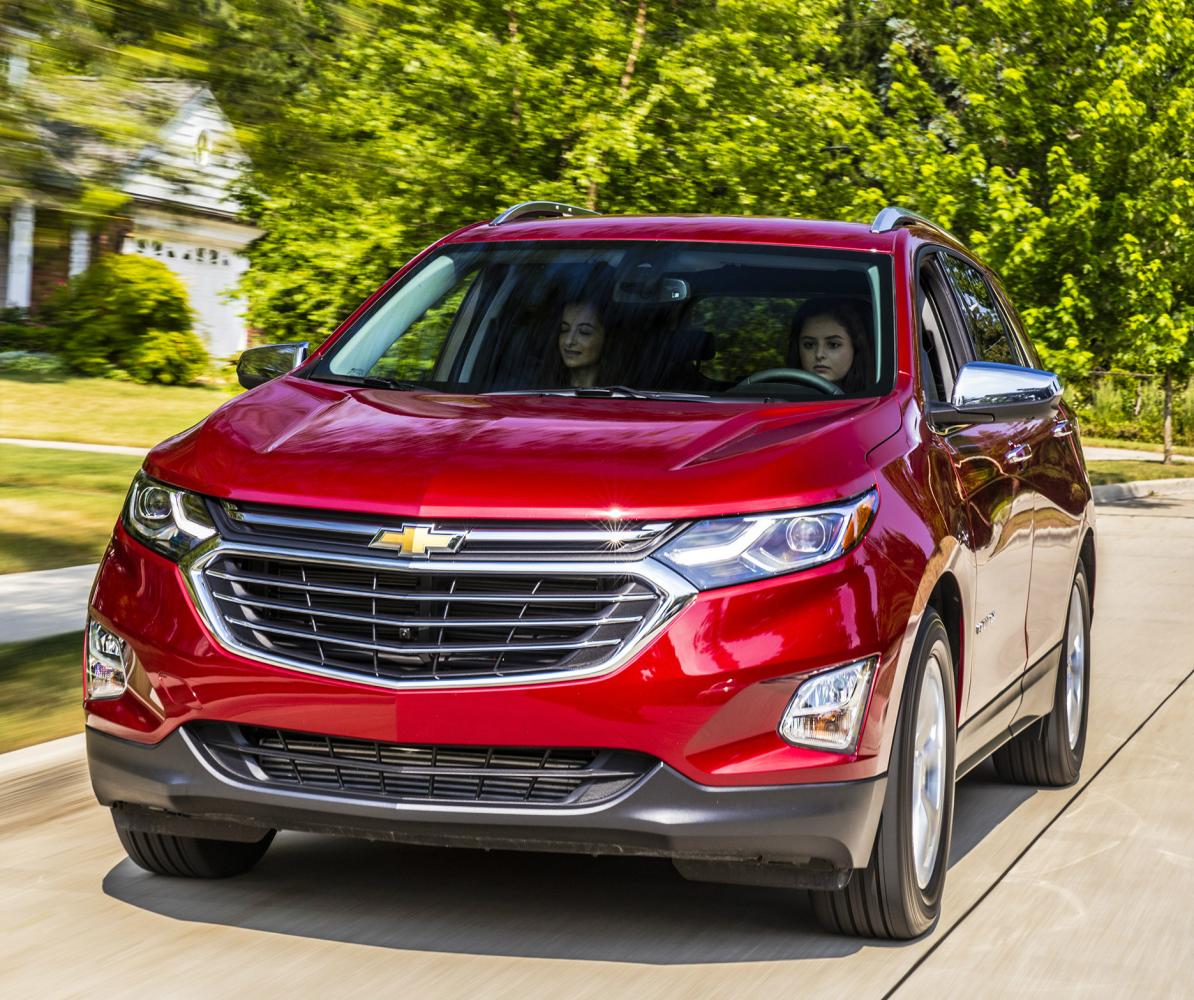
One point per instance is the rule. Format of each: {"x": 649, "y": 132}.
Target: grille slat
{"x": 362, "y": 768}
{"x": 413, "y": 623}
{"x": 382, "y": 648}
{"x": 585, "y": 621}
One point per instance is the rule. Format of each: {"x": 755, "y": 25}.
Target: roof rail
{"x": 895, "y": 218}
{"x": 540, "y": 210}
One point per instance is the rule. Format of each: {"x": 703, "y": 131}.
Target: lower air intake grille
{"x": 396, "y": 772}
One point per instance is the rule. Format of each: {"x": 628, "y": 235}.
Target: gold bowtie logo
{"x": 418, "y": 540}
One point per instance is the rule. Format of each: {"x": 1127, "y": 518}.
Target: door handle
{"x": 1020, "y": 454}
{"x": 1062, "y": 429}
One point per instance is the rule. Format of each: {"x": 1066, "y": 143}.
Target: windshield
{"x": 637, "y": 319}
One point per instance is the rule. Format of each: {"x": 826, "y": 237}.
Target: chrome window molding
{"x": 675, "y": 594}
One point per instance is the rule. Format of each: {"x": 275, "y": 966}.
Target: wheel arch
{"x": 1086, "y": 556}
{"x": 946, "y": 599}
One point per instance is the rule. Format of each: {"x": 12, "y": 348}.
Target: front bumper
{"x": 704, "y": 695}
{"x": 813, "y": 832}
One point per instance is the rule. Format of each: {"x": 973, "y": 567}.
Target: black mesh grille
{"x": 406, "y": 625}
{"x": 396, "y": 772}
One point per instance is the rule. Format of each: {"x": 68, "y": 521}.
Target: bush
{"x": 1133, "y": 410}
{"x": 32, "y": 365}
{"x": 129, "y": 316}
{"x": 19, "y": 333}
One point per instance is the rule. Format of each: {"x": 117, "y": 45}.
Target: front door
{"x": 990, "y": 461}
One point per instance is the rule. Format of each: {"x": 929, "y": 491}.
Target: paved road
{"x": 48, "y": 602}
{"x": 1080, "y": 891}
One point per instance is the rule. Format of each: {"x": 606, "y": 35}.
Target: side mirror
{"x": 258, "y": 365}
{"x": 986, "y": 392}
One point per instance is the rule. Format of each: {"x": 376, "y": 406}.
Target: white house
{"x": 181, "y": 212}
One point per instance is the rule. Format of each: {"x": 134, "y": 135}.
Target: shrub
{"x": 32, "y": 365}
{"x": 19, "y": 333}
{"x": 128, "y": 315}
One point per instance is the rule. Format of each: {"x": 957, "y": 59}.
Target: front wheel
{"x": 190, "y": 857}
{"x": 898, "y": 894}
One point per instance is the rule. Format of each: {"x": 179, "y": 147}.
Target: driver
{"x": 831, "y": 338}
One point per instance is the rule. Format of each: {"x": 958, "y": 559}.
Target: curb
{"x": 38, "y": 756}
{"x": 1110, "y": 492}
{"x": 101, "y": 449}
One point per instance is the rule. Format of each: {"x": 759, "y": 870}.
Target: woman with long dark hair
{"x": 831, "y": 337}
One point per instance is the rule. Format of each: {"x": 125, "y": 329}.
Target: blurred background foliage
{"x": 1053, "y": 136}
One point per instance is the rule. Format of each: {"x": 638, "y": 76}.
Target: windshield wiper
{"x": 612, "y": 390}
{"x": 373, "y": 382}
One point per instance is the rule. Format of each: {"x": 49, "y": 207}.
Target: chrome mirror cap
{"x": 1005, "y": 389}
{"x": 258, "y": 365}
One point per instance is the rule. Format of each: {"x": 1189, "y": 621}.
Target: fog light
{"x": 826, "y": 711}
{"x": 107, "y": 656}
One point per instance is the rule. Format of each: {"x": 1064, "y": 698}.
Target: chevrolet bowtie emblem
{"x": 418, "y": 540}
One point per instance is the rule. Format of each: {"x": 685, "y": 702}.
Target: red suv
{"x": 729, "y": 541}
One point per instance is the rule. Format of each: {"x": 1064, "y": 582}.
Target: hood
{"x": 431, "y": 455}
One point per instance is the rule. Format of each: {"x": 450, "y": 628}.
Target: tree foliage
{"x": 1054, "y": 136}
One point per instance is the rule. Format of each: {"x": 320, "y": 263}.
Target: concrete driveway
{"x": 1079, "y": 891}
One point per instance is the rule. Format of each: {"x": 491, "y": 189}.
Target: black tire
{"x": 191, "y": 857}
{"x": 885, "y": 899}
{"x": 1042, "y": 754}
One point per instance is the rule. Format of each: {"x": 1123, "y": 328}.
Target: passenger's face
{"x": 825, "y": 348}
{"x": 581, "y": 337}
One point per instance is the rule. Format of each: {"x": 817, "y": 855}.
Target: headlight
{"x": 825, "y": 713}
{"x": 729, "y": 550}
{"x": 169, "y": 520}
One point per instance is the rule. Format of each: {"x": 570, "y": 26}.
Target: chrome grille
{"x": 410, "y": 623}
{"x": 397, "y": 772}
{"x": 332, "y": 531}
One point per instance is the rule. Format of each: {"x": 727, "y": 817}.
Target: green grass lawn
{"x": 1129, "y": 472}
{"x": 41, "y": 692}
{"x": 57, "y": 508}
{"x": 99, "y": 411}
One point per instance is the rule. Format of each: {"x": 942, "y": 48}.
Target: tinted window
{"x": 1016, "y": 326}
{"x": 983, "y": 320}
{"x": 671, "y": 317}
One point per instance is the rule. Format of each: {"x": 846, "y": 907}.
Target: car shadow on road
{"x": 1152, "y": 503}
{"x": 633, "y": 910}
{"x": 984, "y": 800}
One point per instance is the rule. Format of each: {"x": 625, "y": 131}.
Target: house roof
{"x": 142, "y": 140}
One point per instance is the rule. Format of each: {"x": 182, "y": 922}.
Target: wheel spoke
{"x": 928, "y": 771}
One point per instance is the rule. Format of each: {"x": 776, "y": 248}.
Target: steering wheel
{"x": 794, "y": 375}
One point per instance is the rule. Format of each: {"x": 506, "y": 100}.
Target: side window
{"x": 413, "y": 355}
{"x": 937, "y": 363}
{"x": 992, "y": 341}
{"x": 1012, "y": 319}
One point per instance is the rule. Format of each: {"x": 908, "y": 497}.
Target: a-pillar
{"x": 19, "y": 290}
